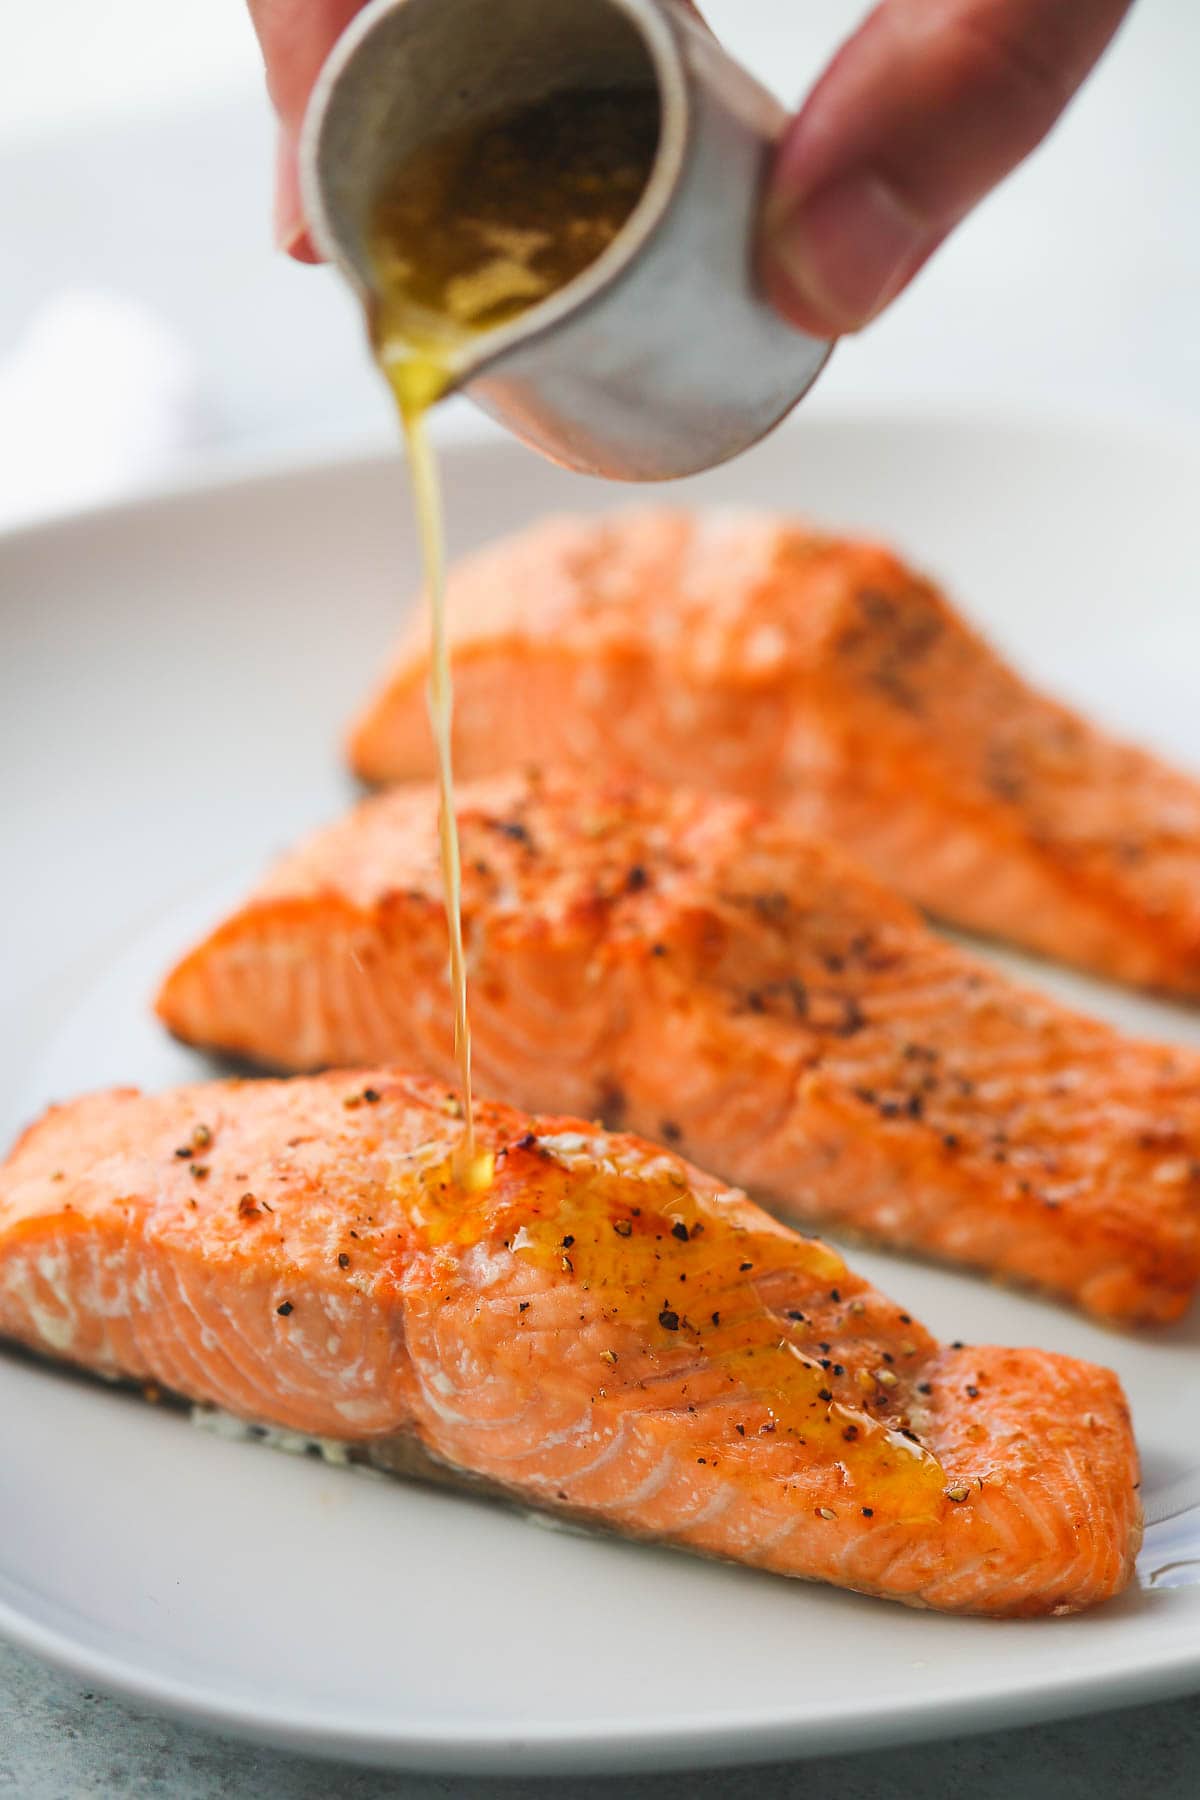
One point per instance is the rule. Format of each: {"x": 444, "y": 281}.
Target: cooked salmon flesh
{"x": 706, "y": 974}
{"x": 587, "y": 1324}
{"x": 824, "y": 677}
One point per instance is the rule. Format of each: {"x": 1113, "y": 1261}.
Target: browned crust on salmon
{"x": 300, "y": 1254}
{"x": 713, "y": 977}
{"x": 823, "y": 676}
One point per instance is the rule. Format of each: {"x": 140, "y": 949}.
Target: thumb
{"x": 918, "y": 117}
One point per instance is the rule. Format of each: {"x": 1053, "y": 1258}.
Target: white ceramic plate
{"x": 173, "y": 680}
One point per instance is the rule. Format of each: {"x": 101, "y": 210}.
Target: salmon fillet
{"x": 704, "y": 973}
{"x": 600, "y": 1330}
{"x": 823, "y": 677}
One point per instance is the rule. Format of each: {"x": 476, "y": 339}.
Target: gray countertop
{"x": 59, "y": 1741}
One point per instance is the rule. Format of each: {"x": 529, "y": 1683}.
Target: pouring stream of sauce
{"x": 470, "y": 232}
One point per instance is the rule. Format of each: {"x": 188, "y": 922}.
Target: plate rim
{"x": 222, "y": 474}
{"x": 677, "y": 1741}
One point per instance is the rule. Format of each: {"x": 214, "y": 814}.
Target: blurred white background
{"x": 147, "y": 327}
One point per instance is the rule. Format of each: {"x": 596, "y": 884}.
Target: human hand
{"x": 295, "y": 36}
{"x": 920, "y": 114}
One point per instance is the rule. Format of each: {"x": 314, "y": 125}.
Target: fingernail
{"x": 299, "y": 246}
{"x": 843, "y": 252}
